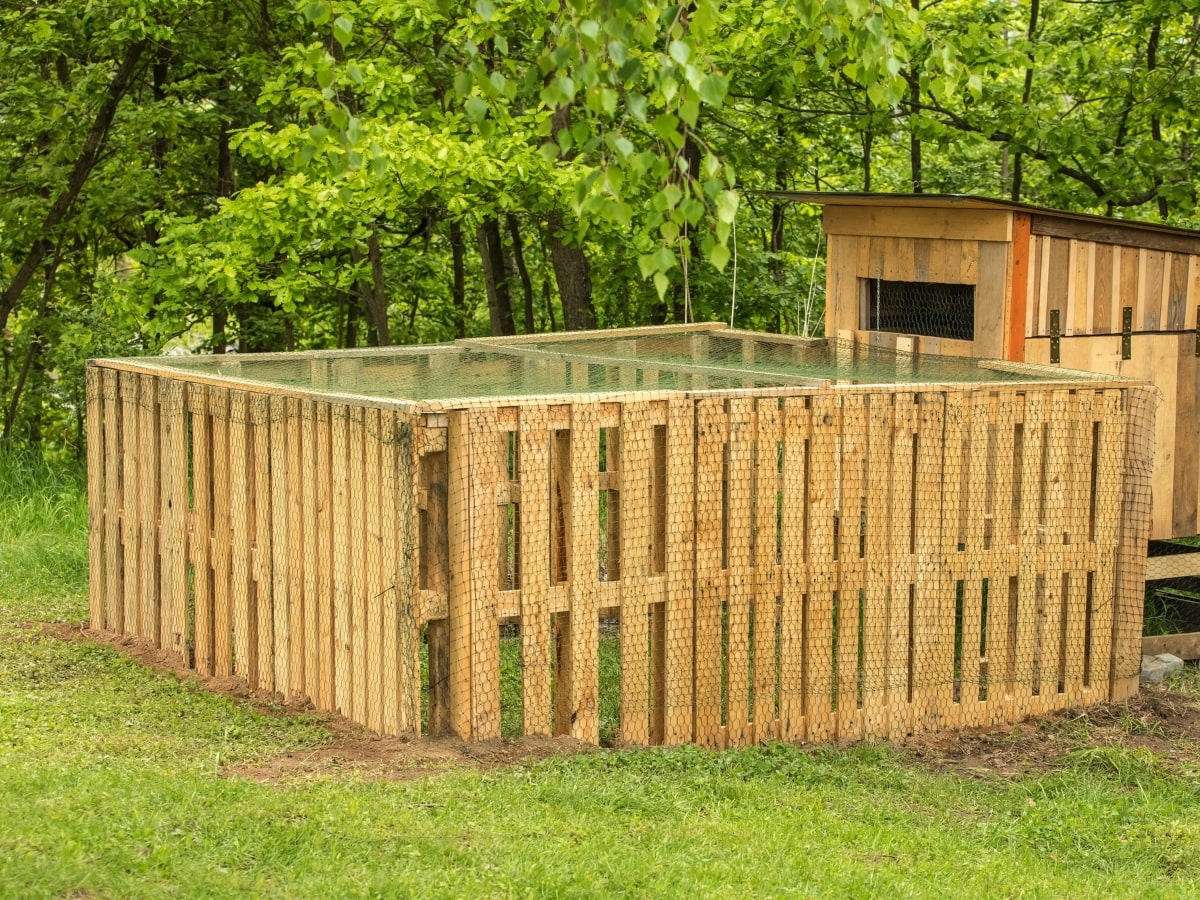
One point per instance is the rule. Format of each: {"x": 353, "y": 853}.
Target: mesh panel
{"x": 653, "y": 538}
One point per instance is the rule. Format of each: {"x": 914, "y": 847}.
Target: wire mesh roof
{"x": 695, "y": 358}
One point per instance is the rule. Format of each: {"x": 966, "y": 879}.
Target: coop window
{"x": 919, "y": 307}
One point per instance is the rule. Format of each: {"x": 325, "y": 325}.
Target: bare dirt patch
{"x": 352, "y": 750}
{"x": 1159, "y": 719}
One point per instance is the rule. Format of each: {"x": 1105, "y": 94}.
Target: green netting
{"x": 594, "y": 362}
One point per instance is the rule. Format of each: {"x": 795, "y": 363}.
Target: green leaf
{"x": 719, "y": 257}
{"x": 476, "y": 108}
{"x": 680, "y": 52}
{"x": 713, "y": 89}
{"x": 486, "y": 9}
{"x": 727, "y": 204}
{"x": 342, "y": 29}
{"x": 317, "y": 12}
{"x": 661, "y": 283}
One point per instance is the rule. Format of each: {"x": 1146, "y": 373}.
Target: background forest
{"x": 259, "y": 175}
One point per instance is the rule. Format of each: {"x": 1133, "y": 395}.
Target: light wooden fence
{"x": 803, "y": 564}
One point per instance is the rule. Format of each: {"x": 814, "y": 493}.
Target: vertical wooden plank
{"x": 114, "y": 608}
{"x": 1102, "y": 293}
{"x": 1106, "y": 593}
{"x": 372, "y": 534}
{"x": 174, "y": 581}
{"x": 97, "y": 585}
{"x": 280, "y": 538}
{"x": 1032, "y": 586}
{"x": 711, "y": 425}
{"x": 359, "y": 539}
{"x": 1079, "y": 557}
{"x": 1058, "y": 273}
{"x": 129, "y": 513}
{"x": 1003, "y": 562}
{"x": 534, "y": 475}
{"x": 900, "y": 637}
{"x": 850, "y": 505}
{"x": 990, "y": 306}
{"x": 202, "y": 491}
{"x": 294, "y": 549}
{"x": 637, "y": 461}
{"x": 218, "y": 399}
{"x": 311, "y": 553}
{"x": 975, "y": 652}
{"x": 1177, "y": 293}
{"x": 583, "y": 569}
{"x": 459, "y": 594}
{"x": 150, "y": 512}
{"x": 1073, "y": 313}
{"x": 1150, "y": 290}
{"x": 260, "y": 427}
{"x": 820, "y": 720}
{"x": 680, "y": 560}
{"x": 327, "y": 544}
{"x": 489, "y": 478}
{"x": 400, "y": 633}
{"x": 1055, "y": 490}
{"x": 933, "y": 618}
{"x": 1186, "y": 486}
{"x": 796, "y": 556}
{"x": 766, "y": 565}
{"x": 740, "y": 568}
{"x": 1133, "y": 432}
{"x": 1018, "y": 301}
{"x": 877, "y": 690}
{"x": 241, "y": 583}
{"x": 343, "y": 609}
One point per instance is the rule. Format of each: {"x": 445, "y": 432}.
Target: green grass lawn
{"x": 112, "y": 783}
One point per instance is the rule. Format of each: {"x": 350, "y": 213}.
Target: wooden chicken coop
{"x": 965, "y": 276}
{"x": 795, "y": 539}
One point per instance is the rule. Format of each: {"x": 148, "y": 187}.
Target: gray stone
{"x": 1173, "y": 661}
{"x": 1154, "y": 670}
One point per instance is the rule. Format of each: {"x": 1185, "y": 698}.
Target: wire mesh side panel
{"x": 258, "y": 536}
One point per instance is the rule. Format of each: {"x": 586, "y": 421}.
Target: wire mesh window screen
{"x": 919, "y": 307}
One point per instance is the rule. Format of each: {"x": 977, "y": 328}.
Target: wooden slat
{"x": 877, "y": 691}
{"x": 343, "y": 610}
{"x": 298, "y": 638}
{"x": 953, "y": 224}
{"x": 637, "y": 461}
{"x": 374, "y": 583}
{"x": 218, "y": 399}
{"x": 114, "y": 608}
{"x": 1185, "y": 504}
{"x": 358, "y": 648}
{"x": 1129, "y": 593}
{"x": 129, "y": 513}
{"x": 400, "y": 462}
{"x": 1004, "y": 560}
{"x": 1031, "y": 598}
{"x": 976, "y": 653}
{"x": 280, "y": 522}
{"x": 488, "y": 474}
{"x": 260, "y": 427}
{"x": 149, "y": 509}
{"x": 241, "y": 583}
{"x": 1055, "y": 491}
{"x": 850, "y": 503}
{"x": 536, "y": 578}
{"x": 821, "y": 723}
{"x": 583, "y": 565}
{"x": 900, "y": 637}
{"x": 935, "y": 594}
{"x": 767, "y": 494}
{"x": 797, "y": 554}
{"x": 711, "y": 432}
{"x": 200, "y": 543}
{"x": 173, "y": 552}
{"x": 1185, "y": 646}
{"x": 680, "y": 555}
{"x": 327, "y": 544}
{"x": 310, "y": 557}
{"x": 94, "y": 422}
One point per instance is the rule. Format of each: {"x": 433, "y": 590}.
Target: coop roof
{"x": 692, "y": 358}
{"x": 1054, "y": 222}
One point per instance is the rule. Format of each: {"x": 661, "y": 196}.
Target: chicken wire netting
{"x": 646, "y": 538}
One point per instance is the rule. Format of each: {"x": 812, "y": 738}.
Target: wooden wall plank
{"x": 374, "y": 580}
{"x": 310, "y": 557}
{"x": 327, "y": 541}
{"x": 954, "y": 224}
{"x": 94, "y": 424}
{"x": 342, "y": 580}
{"x": 740, "y": 568}
{"x": 260, "y": 427}
{"x": 298, "y": 637}
{"x": 820, "y": 718}
{"x": 583, "y": 573}
{"x": 1185, "y": 518}
{"x": 218, "y": 400}
{"x": 280, "y": 538}
{"x": 149, "y": 509}
{"x": 637, "y": 592}
{"x": 114, "y": 504}
{"x": 173, "y": 552}
{"x": 990, "y": 301}
{"x": 933, "y": 619}
{"x": 1177, "y": 293}
{"x": 241, "y": 583}
{"x": 130, "y": 519}
{"x": 358, "y": 648}
{"x": 796, "y": 557}
{"x": 680, "y": 556}
{"x": 767, "y": 538}
{"x": 1150, "y": 291}
{"x": 876, "y": 691}
{"x": 711, "y": 435}
{"x": 458, "y": 507}
{"x": 201, "y": 538}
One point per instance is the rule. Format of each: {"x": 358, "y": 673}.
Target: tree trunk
{"x": 495, "y": 278}
{"x": 514, "y": 231}
{"x": 459, "y": 291}
{"x": 31, "y": 352}
{"x": 1018, "y": 165}
{"x": 573, "y": 274}
{"x": 84, "y": 163}
{"x": 378, "y": 302}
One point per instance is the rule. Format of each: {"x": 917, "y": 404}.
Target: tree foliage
{"x": 217, "y": 175}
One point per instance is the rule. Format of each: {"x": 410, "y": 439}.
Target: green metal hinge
{"x": 1055, "y": 337}
{"x": 1127, "y": 332}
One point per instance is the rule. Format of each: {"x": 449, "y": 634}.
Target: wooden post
{"x": 174, "y": 634}
{"x": 94, "y": 381}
